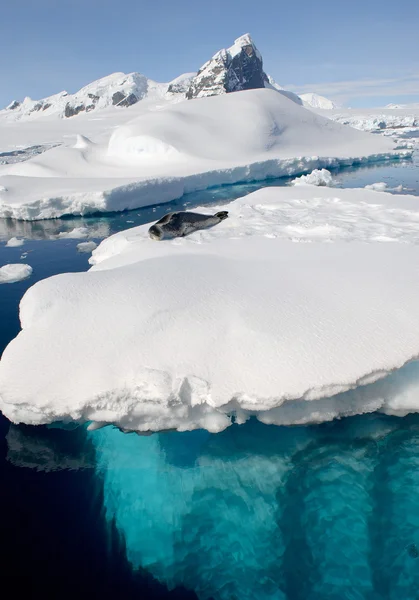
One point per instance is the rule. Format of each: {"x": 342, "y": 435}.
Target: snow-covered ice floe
{"x": 189, "y": 146}
{"x": 14, "y": 272}
{"x": 230, "y": 322}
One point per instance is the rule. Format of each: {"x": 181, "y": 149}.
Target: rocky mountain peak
{"x": 239, "y": 67}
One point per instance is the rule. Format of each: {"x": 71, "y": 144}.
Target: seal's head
{"x": 155, "y": 232}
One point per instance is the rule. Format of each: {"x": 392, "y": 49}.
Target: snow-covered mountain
{"x": 119, "y": 89}
{"x": 239, "y": 67}
{"x": 312, "y": 100}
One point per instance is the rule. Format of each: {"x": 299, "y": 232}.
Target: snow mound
{"x": 14, "y": 272}
{"x": 14, "y": 242}
{"x": 312, "y": 100}
{"x": 186, "y": 147}
{"x": 316, "y": 177}
{"x": 229, "y": 322}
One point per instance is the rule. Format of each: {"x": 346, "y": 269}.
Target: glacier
{"x": 259, "y": 324}
{"x": 189, "y": 146}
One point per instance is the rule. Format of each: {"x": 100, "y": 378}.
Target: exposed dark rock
{"x": 238, "y": 68}
{"x": 181, "y": 84}
{"x": 37, "y": 106}
{"x": 15, "y": 104}
{"x": 120, "y": 99}
{"x": 117, "y": 97}
{"x": 93, "y": 97}
{"x": 47, "y": 105}
{"x": 72, "y": 111}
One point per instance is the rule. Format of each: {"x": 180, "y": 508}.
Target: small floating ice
{"x": 14, "y": 242}
{"x": 380, "y": 186}
{"x": 316, "y": 177}
{"x": 86, "y": 246}
{"x": 14, "y": 272}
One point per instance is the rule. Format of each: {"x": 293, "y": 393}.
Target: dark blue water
{"x": 256, "y": 512}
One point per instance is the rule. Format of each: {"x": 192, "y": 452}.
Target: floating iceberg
{"x": 229, "y": 322}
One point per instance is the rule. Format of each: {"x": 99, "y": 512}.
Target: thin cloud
{"x": 344, "y": 91}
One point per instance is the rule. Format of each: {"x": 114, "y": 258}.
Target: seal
{"x": 179, "y": 224}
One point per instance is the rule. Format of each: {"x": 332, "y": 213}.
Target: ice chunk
{"x": 14, "y": 272}
{"x": 14, "y": 241}
{"x": 380, "y": 186}
{"x": 86, "y": 246}
{"x": 316, "y": 177}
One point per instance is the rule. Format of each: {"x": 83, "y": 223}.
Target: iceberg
{"x": 189, "y": 146}
{"x": 231, "y": 322}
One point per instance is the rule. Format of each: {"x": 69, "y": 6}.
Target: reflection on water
{"x": 46, "y": 450}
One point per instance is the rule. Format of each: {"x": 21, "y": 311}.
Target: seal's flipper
{"x": 222, "y": 215}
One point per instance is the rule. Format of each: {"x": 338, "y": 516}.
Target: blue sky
{"x": 360, "y": 53}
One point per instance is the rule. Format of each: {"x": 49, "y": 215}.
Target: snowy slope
{"x": 235, "y": 320}
{"x": 183, "y": 147}
{"x": 315, "y": 101}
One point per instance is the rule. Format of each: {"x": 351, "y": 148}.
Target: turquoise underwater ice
{"x": 264, "y": 512}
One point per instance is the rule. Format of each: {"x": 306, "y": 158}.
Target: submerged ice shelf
{"x": 268, "y": 513}
{"x": 258, "y": 325}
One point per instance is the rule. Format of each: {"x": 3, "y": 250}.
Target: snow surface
{"x": 14, "y": 241}
{"x": 312, "y": 100}
{"x": 316, "y": 177}
{"x": 180, "y": 148}
{"x": 233, "y": 321}
{"x": 14, "y": 272}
